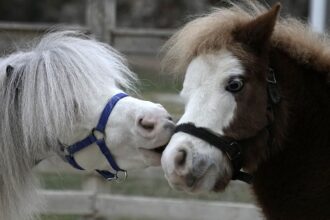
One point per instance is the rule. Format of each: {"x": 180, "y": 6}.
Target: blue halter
{"x": 98, "y": 136}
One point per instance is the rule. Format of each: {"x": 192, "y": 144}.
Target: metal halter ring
{"x": 234, "y": 146}
{"x": 66, "y": 151}
{"x": 98, "y": 134}
{"x": 121, "y": 177}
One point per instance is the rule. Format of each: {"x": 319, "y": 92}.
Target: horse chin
{"x": 221, "y": 184}
{"x": 153, "y": 156}
{"x": 208, "y": 184}
{"x": 190, "y": 183}
{"x": 199, "y": 186}
{"x": 203, "y": 185}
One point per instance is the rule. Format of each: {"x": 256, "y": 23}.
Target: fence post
{"x": 318, "y": 14}
{"x": 101, "y": 18}
{"x": 96, "y": 185}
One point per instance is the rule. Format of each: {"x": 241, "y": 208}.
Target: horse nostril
{"x": 180, "y": 158}
{"x": 147, "y": 124}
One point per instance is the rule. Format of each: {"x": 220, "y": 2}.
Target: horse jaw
{"x": 208, "y": 104}
{"x": 131, "y": 146}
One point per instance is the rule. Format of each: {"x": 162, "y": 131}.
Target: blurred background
{"x": 138, "y": 28}
{"x": 131, "y": 13}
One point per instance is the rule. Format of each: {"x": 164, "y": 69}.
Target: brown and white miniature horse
{"x": 262, "y": 82}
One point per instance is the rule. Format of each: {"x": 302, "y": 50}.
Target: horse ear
{"x": 9, "y": 70}
{"x": 257, "y": 33}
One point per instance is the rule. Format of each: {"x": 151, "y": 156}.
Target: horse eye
{"x": 235, "y": 85}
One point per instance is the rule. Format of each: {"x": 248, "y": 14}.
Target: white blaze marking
{"x": 208, "y": 104}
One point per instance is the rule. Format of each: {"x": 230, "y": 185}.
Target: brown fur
{"x": 214, "y": 31}
{"x": 292, "y": 173}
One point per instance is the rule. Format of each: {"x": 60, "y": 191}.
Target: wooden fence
{"x": 101, "y": 22}
{"x": 93, "y": 202}
{"x": 118, "y": 206}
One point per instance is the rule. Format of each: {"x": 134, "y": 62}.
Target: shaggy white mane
{"x": 43, "y": 95}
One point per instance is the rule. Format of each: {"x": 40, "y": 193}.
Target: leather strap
{"x": 100, "y": 141}
{"x": 231, "y": 148}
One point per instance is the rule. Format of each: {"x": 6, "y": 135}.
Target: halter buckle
{"x": 271, "y": 76}
{"x": 111, "y": 178}
{"x": 67, "y": 152}
{"x": 272, "y": 88}
{"x": 121, "y": 176}
{"x": 236, "y": 151}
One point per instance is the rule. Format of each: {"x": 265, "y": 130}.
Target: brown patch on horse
{"x": 257, "y": 33}
{"x": 294, "y": 181}
{"x": 253, "y": 39}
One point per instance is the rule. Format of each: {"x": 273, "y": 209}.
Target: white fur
{"x": 123, "y": 139}
{"x": 56, "y": 93}
{"x": 208, "y": 105}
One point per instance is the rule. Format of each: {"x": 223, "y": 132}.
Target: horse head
{"x": 67, "y": 96}
{"x": 225, "y": 59}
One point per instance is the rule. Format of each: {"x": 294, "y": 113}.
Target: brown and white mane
{"x": 292, "y": 173}
{"x": 214, "y": 31}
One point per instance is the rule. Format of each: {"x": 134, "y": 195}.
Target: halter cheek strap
{"x": 231, "y": 148}
{"x": 97, "y": 136}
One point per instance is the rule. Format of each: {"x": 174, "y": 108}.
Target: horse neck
{"x": 305, "y": 100}
{"x": 295, "y": 170}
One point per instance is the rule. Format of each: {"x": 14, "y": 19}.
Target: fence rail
{"x": 95, "y": 201}
{"x": 128, "y": 41}
{"x": 98, "y": 205}
{"x": 139, "y": 41}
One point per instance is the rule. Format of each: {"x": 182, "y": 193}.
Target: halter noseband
{"x": 232, "y": 148}
{"x": 97, "y": 136}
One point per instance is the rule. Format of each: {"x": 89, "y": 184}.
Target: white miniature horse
{"x": 53, "y": 96}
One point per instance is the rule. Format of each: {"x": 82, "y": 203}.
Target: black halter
{"x": 231, "y": 147}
